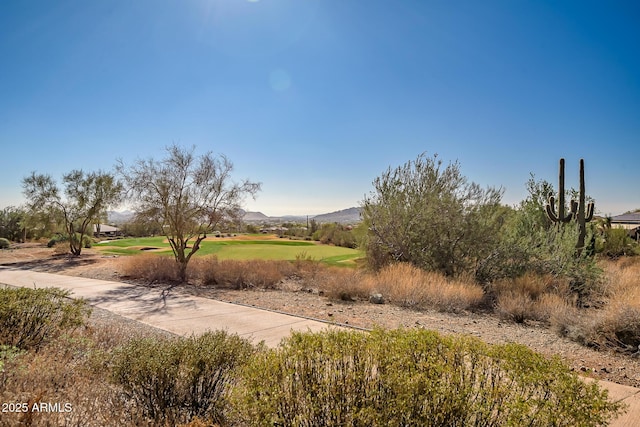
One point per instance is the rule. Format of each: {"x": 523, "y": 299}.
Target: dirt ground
{"x": 293, "y": 299}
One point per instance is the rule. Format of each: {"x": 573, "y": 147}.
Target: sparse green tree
{"x": 431, "y": 216}
{"x": 138, "y": 227}
{"x": 86, "y": 197}
{"x": 12, "y": 223}
{"x": 186, "y": 196}
{"x": 335, "y": 234}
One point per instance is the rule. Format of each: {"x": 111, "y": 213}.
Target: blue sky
{"x": 315, "y": 98}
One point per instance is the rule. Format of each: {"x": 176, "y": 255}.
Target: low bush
{"x": 335, "y": 234}
{"x": 615, "y": 242}
{"x": 4, "y": 243}
{"x": 341, "y": 284}
{"x": 616, "y": 326}
{"x": 412, "y": 377}
{"x": 616, "y": 323}
{"x": 408, "y": 286}
{"x": 151, "y": 267}
{"x": 239, "y": 274}
{"x": 68, "y": 372}
{"x": 29, "y": 318}
{"x": 530, "y": 297}
{"x": 87, "y": 241}
{"x": 175, "y": 380}
{"x": 7, "y": 354}
{"x": 58, "y": 238}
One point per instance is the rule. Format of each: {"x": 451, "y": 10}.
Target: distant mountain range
{"x": 345, "y": 216}
{"x": 350, "y": 215}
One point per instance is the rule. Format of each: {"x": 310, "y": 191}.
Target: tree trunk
{"x": 182, "y": 271}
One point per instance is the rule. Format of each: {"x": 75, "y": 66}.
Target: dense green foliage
{"x": 12, "y": 223}
{"x": 412, "y": 377}
{"x": 29, "y": 318}
{"x": 85, "y": 241}
{"x": 335, "y": 234}
{"x": 174, "y": 380}
{"x": 615, "y": 242}
{"x": 430, "y": 216}
{"x": 4, "y": 243}
{"x": 137, "y": 227}
{"x": 530, "y": 242}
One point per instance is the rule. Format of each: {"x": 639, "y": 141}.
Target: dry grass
{"x": 237, "y": 274}
{"x": 400, "y": 284}
{"x": 61, "y": 373}
{"x": 617, "y": 323}
{"x": 531, "y": 297}
{"x": 409, "y": 286}
{"x": 340, "y": 284}
{"x": 612, "y": 320}
{"x": 153, "y": 268}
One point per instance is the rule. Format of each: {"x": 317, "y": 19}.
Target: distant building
{"x": 106, "y": 231}
{"x": 628, "y": 221}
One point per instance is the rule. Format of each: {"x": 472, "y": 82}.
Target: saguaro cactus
{"x": 584, "y": 214}
{"x": 580, "y": 211}
{"x": 551, "y": 213}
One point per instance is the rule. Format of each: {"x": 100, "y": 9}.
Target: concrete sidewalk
{"x": 180, "y": 314}
{"x": 185, "y": 315}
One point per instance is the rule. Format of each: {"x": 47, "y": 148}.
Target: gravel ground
{"x": 608, "y": 365}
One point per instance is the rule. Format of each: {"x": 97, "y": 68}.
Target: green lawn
{"x": 241, "y": 248}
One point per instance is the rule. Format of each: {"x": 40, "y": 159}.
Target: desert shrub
{"x": 87, "y": 241}
{"x": 340, "y": 284}
{"x": 615, "y": 326}
{"x": 514, "y": 306}
{"x": 63, "y": 371}
{"x": 174, "y": 380}
{"x": 335, "y": 234}
{"x": 615, "y": 243}
{"x": 412, "y": 377}
{"x": 530, "y": 243}
{"x": 408, "y": 286}
{"x": 542, "y": 252}
{"x": 530, "y": 297}
{"x": 239, "y": 274}
{"x": 7, "y": 354}
{"x": 4, "y": 243}
{"x": 613, "y": 320}
{"x": 58, "y": 238}
{"x": 150, "y": 267}
{"x": 617, "y": 322}
{"x": 30, "y": 318}
{"x": 430, "y": 215}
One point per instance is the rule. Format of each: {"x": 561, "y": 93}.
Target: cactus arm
{"x": 559, "y": 217}
{"x": 555, "y": 217}
{"x": 590, "y": 209}
{"x": 550, "y": 209}
{"x": 580, "y": 211}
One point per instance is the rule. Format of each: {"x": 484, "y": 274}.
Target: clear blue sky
{"x": 315, "y": 98}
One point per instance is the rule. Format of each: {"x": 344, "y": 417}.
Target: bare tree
{"x": 186, "y": 195}
{"x": 86, "y": 197}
